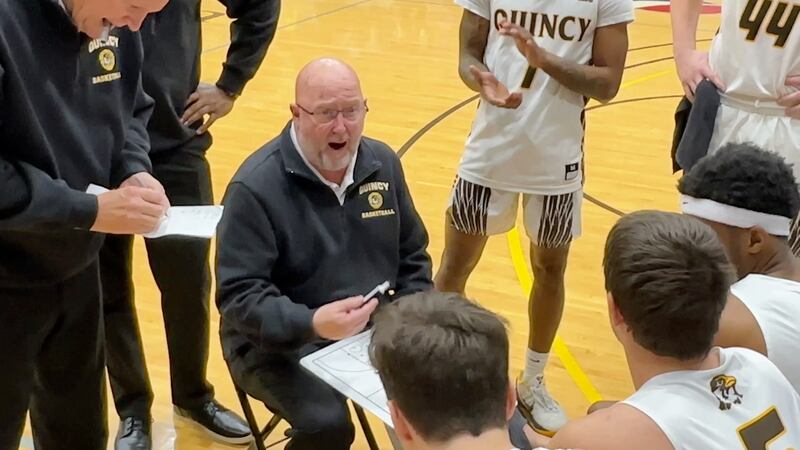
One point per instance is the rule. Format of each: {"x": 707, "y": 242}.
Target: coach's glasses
{"x": 327, "y": 115}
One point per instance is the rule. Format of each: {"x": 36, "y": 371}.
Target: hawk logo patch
{"x": 724, "y": 388}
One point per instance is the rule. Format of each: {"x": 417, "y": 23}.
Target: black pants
{"x": 318, "y": 415}
{"x": 51, "y": 355}
{"x": 181, "y": 270}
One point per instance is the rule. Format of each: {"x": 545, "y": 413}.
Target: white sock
{"x": 534, "y": 365}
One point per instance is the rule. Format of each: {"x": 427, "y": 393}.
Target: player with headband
{"x": 749, "y": 197}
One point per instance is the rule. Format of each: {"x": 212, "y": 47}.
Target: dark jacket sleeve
{"x": 134, "y": 157}
{"x": 415, "y": 271}
{"x": 31, "y": 198}
{"x": 247, "y": 297}
{"x": 254, "y": 26}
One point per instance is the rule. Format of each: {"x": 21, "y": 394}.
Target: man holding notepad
{"x": 313, "y": 222}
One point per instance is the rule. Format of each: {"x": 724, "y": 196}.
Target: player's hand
{"x": 692, "y": 69}
{"x": 129, "y": 210}
{"x": 791, "y": 101}
{"x": 343, "y": 318}
{"x": 207, "y": 100}
{"x": 495, "y": 92}
{"x": 145, "y": 180}
{"x": 525, "y": 43}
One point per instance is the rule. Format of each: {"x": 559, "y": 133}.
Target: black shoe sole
{"x": 234, "y": 440}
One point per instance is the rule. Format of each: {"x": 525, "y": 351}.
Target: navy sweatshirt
{"x": 286, "y": 246}
{"x": 72, "y": 112}
{"x": 172, "y": 42}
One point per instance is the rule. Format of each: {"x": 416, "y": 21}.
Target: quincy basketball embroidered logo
{"x": 375, "y": 200}
{"x": 724, "y": 388}
{"x": 107, "y": 59}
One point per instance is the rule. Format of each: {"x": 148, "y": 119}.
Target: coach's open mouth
{"x": 337, "y": 145}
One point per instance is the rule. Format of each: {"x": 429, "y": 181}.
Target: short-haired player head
{"x": 443, "y": 361}
{"x": 667, "y": 278}
{"x": 749, "y": 197}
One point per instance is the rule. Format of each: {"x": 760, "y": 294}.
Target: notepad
{"x": 193, "y": 221}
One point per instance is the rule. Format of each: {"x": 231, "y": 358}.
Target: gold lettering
{"x": 106, "y": 78}
{"x": 562, "y": 31}
{"x": 523, "y": 18}
{"x": 374, "y": 186}
{"x": 113, "y": 41}
{"x": 584, "y": 27}
{"x": 378, "y": 213}
{"x": 532, "y": 25}
{"x": 497, "y": 19}
{"x": 551, "y": 26}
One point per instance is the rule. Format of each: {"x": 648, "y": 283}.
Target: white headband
{"x": 735, "y": 217}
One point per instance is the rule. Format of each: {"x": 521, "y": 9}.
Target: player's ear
{"x": 756, "y": 237}
{"x": 511, "y": 400}
{"x": 402, "y": 428}
{"x": 613, "y": 311}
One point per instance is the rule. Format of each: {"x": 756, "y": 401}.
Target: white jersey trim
{"x": 510, "y": 187}
{"x": 616, "y": 20}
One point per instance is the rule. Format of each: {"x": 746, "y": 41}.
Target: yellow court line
{"x": 645, "y": 78}
{"x": 519, "y": 261}
{"x": 559, "y": 347}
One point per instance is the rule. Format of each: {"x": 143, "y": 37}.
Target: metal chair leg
{"x": 270, "y": 427}
{"x": 362, "y": 418}
{"x": 258, "y": 436}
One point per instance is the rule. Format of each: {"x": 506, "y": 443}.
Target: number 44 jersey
{"x": 757, "y": 47}
{"x": 538, "y": 147}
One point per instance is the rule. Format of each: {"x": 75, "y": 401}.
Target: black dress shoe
{"x": 133, "y": 434}
{"x": 218, "y": 421}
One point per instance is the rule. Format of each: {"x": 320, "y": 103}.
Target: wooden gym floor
{"x": 406, "y": 54}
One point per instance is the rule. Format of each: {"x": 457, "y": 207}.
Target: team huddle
{"x": 704, "y": 302}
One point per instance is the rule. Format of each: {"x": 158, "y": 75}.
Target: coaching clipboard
{"x": 345, "y": 366}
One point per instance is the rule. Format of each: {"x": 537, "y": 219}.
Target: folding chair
{"x": 260, "y": 435}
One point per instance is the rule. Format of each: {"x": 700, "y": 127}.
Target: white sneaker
{"x": 540, "y": 410}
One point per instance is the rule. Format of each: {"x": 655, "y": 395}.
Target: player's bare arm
{"x": 692, "y": 64}
{"x": 599, "y": 81}
{"x": 621, "y": 427}
{"x": 792, "y": 101}
{"x": 473, "y": 34}
{"x": 738, "y": 328}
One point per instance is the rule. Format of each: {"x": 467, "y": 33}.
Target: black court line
{"x": 211, "y": 15}
{"x": 652, "y": 61}
{"x": 427, "y": 127}
{"x": 323, "y": 14}
{"x": 291, "y": 24}
{"x": 450, "y": 4}
{"x": 593, "y": 199}
{"x": 413, "y": 140}
{"x": 668, "y": 44}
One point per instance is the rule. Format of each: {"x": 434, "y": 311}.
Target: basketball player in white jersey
{"x": 667, "y": 279}
{"x": 755, "y": 62}
{"x": 749, "y": 196}
{"x": 529, "y": 144}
